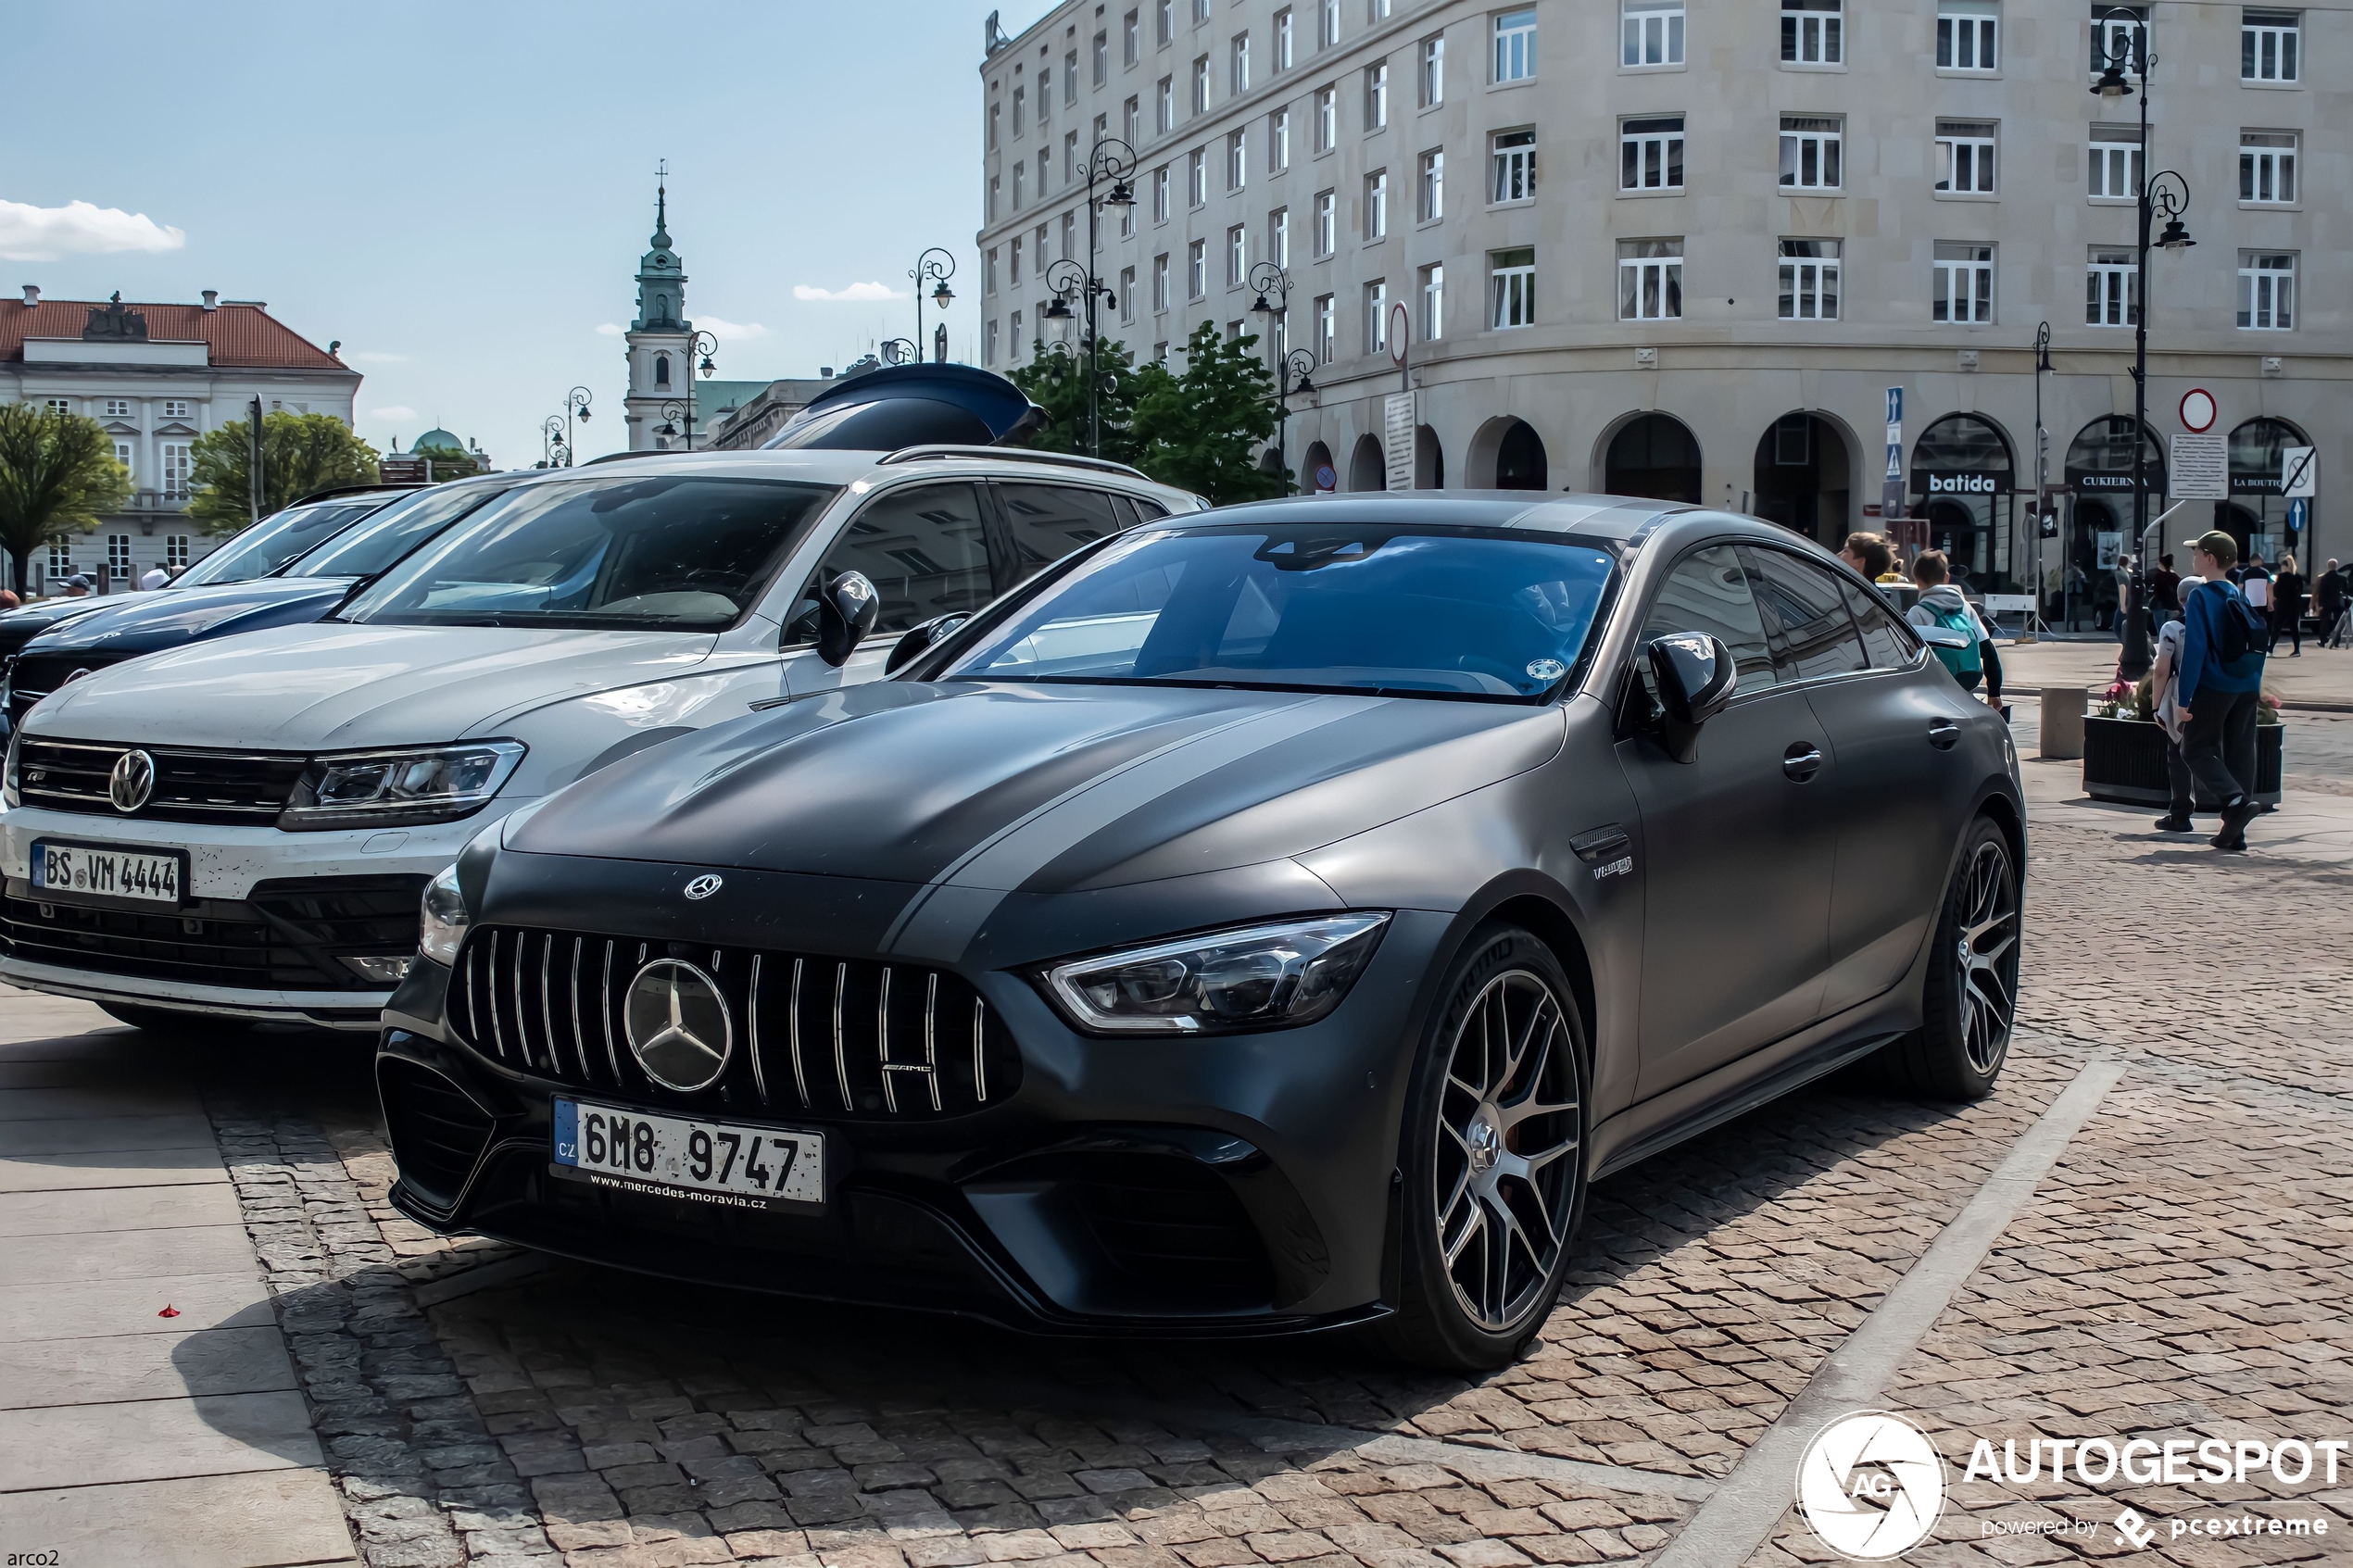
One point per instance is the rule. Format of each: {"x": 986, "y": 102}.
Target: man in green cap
{"x": 2220, "y": 685}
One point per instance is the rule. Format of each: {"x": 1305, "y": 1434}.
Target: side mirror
{"x": 919, "y": 638}
{"x": 846, "y": 609}
{"x": 1696, "y": 677}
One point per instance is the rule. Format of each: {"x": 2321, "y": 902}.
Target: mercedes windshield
{"x": 264, "y": 548}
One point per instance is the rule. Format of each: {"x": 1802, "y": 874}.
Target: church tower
{"x": 658, "y": 340}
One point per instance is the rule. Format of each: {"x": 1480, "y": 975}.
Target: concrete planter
{"x": 2124, "y": 760}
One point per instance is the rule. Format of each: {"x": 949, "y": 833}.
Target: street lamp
{"x": 1292, "y": 367}
{"x": 554, "y": 451}
{"x": 935, "y": 266}
{"x": 2168, "y": 192}
{"x": 898, "y": 351}
{"x": 1109, "y": 164}
{"x": 576, "y": 401}
{"x": 699, "y": 343}
{"x": 672, "y": 412}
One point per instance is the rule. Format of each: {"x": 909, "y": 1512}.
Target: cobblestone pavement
{"x": 2179, "y": 1274}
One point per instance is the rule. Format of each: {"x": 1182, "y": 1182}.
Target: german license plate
{"x": 76, "y": 871}
{"x": 723, "y": 1162}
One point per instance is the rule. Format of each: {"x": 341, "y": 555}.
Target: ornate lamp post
{"x": 1108, "y": 164}
{"x": 555, "y": 450}
{"x": 898, "y": 351}
{"x": 576, "y": 401}
{"x": 936, "y": 267}
{"x": 702, "y": 346}
{"x": 2164, "y": 191}
{"x": 1293, "y": 367}
{"x": 673, "y": 411}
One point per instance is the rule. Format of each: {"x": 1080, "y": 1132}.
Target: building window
{"x": 1041, "y": 174}
{"x": 1432, "y": 85}
{"x": 1652, "y": 32}
{"x": 1160, "y": 282}
{"x": 1375, "y": 316}
{"x": 1376, "y": 205}
{"x": 661, "y": 370}
{"x": 1021, "y": 96}
{"x": 1127, "y": 294}
{"x": 1968, "y": 34}
{"x": 2269, "y": 46}
{"x": 175, "y": 408}
{"x": 1963, "y": 282}
{"x": 1326, "y": 328}
{"x": 1811, "y": 32}
{"x": 2267, "y": 290}
{"x": 1965, "y": 156}
{"x": 1197, "y": 177}
{"x": 1514, "y": 162}
{"x": 993, "y": 189}
{"x": 2112, "y": 288}
{"x": 1510, "y": 288}
{"x": 1431, "y": 186}
{"x": 1164, "y": 105}
{"x": 988, "y": 271}
{"x": 2266, "y": 166}
{"x": 1201, "y": 84}
{"x": 1164, "y": 21}
{"x": 1015, "y": 323}
{"x": 122, "y": 454}
{"x": 119, "y": 556}
{"x": 1102, "y": 59}
{"x": 60, "y": 558}
{"x": 1196, "y": 270}
{"x": 1649, "y": 153}
{"x": 2122, "y": 33}
{"x": 1376, "y": 10}
{"x": 1516, "y": 44}
{"x": 1070, "y": 234}
{"x": 1279, "y": 236}
{"x": 1236, "y": 159}
{"x": 57, "y": 406}
{"x": 1013, "y": 252}
{"x": 175, "y": 552}
{"x": 1326, "y": 23}
{"x": 1327, "y": 225}
{"x": 1650, "y": 279}
{"x": 117, "y": 407}
{"x": 1070, "y": 79}
{"x": 2115, "y": 173}
{"x": 176, "y": 463}
{"x": 988, "y": 341}
{"x": 1809, "y": 152}
{"x": 1131, "y": 38}
{"x": 1809, "y": 280}
{"x": 1377, "y": 96}
{"x": 1021, "y": 170}
{"x": 1238, "y": 65}
{"x": 1433, "y": 292}
{"x": 1279, "y": 141}
{"x": 1326, "y": 118}
{"x": 1160, "y": 194}
{"x": 1236, "y": 255}
{"x": 1070, "y": 160}
{"x": 1282, "y": 40}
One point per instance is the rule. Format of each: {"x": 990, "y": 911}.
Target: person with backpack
{"x": 2220, "y": 683}
{"x": 1940, "y": 604}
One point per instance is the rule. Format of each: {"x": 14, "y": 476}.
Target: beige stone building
{"x": 1686, "y": 247}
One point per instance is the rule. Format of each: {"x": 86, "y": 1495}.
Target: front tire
{"x": 1492, "y": 1158}
{"x": 1968, "y": 1004}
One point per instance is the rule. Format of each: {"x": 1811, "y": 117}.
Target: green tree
{"x": 300, "y": 454}
{"x": 1056, "y": 382}
{"x": 58, "y": 473}
{"x": 1200, "y": 431}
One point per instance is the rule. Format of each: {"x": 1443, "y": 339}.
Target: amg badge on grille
{"x": 704, "y": 885}
{"x": 678, "y": 1025}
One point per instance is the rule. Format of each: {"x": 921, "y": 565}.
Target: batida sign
{"x": 1965, "y": 484}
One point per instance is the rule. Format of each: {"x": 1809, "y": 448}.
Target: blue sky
{"x": 460, "y": 193}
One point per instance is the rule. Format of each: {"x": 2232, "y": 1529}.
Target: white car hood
{"x": 339, "y": 687}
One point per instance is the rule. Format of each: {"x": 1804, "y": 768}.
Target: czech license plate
{"x": 76, "y": 871}
{"x": 721, "y": 1162}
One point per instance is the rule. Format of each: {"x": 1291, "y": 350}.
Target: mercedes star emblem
{"x": 132, "y": 780}
{"x": 678, "y": 1025}
{"x": 704, "y": 885}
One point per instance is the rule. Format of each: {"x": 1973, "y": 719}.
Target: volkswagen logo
{"x": 132, "y": 780}
{"x": 678, "y": 1025}
{"x": 704, "y": 885}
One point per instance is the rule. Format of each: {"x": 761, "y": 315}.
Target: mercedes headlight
{"x": 1272, "y": 976}
{"x": 443, "y": 929}
{"x": 437, "y": 784}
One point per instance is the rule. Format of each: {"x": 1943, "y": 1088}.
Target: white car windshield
{"x": 664, "y": 553}
{"x": 1467, "y": 614}
{"x": 279, "y": 538}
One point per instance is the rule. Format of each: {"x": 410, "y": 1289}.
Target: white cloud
{"x": 379, "y": 359}
{"x": 398, "y": 411}
{"x": 609, "y": 328}
{"x": 47, "y": 234}
{"x": 855, "y": 292}
{"x": 732, "y": 332}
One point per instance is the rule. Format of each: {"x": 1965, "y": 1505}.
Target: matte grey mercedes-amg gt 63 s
{"x": 1270, "y": 919}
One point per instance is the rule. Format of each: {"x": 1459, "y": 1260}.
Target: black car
{"x": 350, "y": 545}
{"x": 1272, "y": 919}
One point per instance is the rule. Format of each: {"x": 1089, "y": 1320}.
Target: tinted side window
{"x": 1150, "y": 511}
{"x": 1045, "y": 522}
{"x": 1888, "y": 647}
{"x": 1818, "y": 635}
{"x": 925, "y": 548}
{"x": 1709, "y": 591}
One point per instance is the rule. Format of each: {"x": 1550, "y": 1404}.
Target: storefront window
{"x": 1963, "y": 479}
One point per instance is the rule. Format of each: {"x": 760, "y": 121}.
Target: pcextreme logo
{"x": 1871, "y": 1485}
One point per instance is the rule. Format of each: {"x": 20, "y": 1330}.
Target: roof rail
{"x": 1017, "y": 455}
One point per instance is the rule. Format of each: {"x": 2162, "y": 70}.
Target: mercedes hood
{"x": 1046, "y": 788}
{"x": 153, "y": 621}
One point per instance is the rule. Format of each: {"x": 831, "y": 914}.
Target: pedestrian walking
{"x": 2254, "y": 582}
{"x": 156, "y": 578}
{"x": 2220, "y": 685}
{"x": 2329, "y": 598}
{"x": 1940, "y": 604}
{"x": 1869, "y": 554}
{"x": 2287, "y": 596}
{"x": 2165, "y": 591}
{"x": 2165, "y": 709}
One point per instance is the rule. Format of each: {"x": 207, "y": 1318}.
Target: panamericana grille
{"x": 35, "y": 676}
{"x": 191, "y": 786}
{"x": 285, "y": 935}
{"x": 852, "y": 1039}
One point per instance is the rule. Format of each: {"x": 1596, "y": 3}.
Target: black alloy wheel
{"x": 1492, "y": 1156}
{"x": 1968, "y": 1005}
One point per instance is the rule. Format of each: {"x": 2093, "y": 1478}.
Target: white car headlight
{"x": 10, "y": 794}
{"x": 1272, "y": 976}
{"x": 438, "y": 784}
{"x": 442, "y": 930}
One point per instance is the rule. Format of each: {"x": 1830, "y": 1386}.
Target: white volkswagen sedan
{"x": 243, "y": 828}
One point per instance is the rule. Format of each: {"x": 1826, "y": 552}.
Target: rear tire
{"x": 1969, "y": 1003}
{"x": 1492, "y": 1156}
{"x": 167, "y": 1024}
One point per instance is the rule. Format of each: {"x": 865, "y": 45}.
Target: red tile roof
{"x": 240, "y": 335}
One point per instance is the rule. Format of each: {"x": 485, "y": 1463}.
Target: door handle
{"x": 1802, "y": 760}
{"x": 1943, "y": 734}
